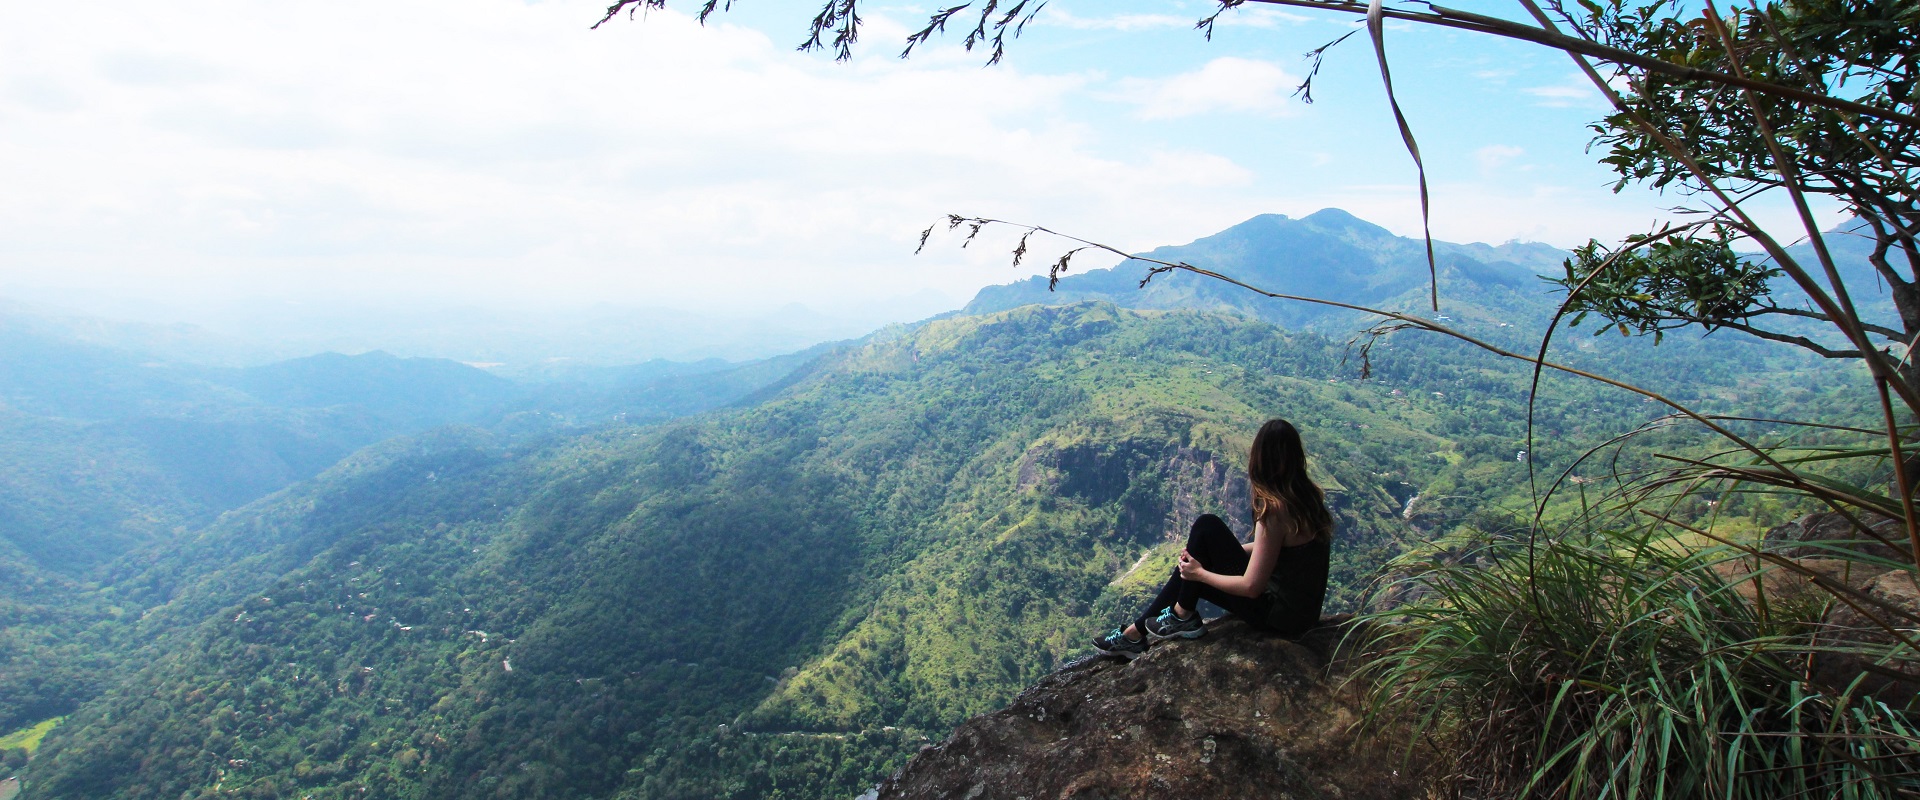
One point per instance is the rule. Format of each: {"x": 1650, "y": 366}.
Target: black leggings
{"x": 1211, "y": 543}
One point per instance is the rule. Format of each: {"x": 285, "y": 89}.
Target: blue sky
{"x": 207, "y": 159}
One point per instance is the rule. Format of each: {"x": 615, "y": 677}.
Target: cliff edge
{"x": 1235, "y": 714}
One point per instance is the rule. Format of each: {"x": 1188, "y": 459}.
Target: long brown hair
{"x": 1277, "y": 476}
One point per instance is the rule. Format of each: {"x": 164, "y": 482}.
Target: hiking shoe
{"x": 1168, "y": 626}
{"x": 1116, "y": 643}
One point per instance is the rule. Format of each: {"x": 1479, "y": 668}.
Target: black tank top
{"x": 1297, "y": 589}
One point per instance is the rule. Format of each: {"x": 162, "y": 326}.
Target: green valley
{"x": 779, "y": 599}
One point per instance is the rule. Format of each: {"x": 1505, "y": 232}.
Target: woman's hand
{"x": 1190, "y": 568}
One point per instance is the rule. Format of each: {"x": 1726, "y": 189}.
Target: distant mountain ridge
{"x": 417, "y": 392}
{"x": 1329, "y": 254}
{"x": 103, "y": 449}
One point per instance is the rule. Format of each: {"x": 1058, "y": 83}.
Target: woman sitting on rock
{"x": 1278, "y": 581}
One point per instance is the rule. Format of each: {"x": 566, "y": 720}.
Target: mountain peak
{"x": 1330, "y": 215}
{"x": 1334, "y": 219}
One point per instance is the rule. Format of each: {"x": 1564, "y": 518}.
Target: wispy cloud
{"x": 494, "y": 151}
{"x": 1245, "y": 16}
{"x": 1574, "y": 91}
{"x": 1495, "y": 156}
{"x": 1224, "y": 84}
{"x": 1262, "y": 17}
{"x": 1114, "y": 22}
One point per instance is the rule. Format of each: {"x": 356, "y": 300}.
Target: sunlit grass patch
{"x": 29, "y": 738}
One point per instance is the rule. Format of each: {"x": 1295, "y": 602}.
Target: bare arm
{"x": 1265, "y": 550}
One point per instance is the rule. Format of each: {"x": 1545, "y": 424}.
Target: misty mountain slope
{"x": 101, "y": 452}
{"x": 72, "y": 497}
{"x": 125, "y": 454}
{"x": 63, "y": 640}
{"x": 658, "y": 390}
{"x": 907, "y": 532}
{"x": 412, "y": 393}
{"x": 157, "y": 450}
{"x": 1330, "y": 254}
{"x": 50, "y": 375}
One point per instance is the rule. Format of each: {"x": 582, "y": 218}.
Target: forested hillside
{"x": 782, "y": 597}
{"x": 104, "y": 449}
{"x": 105, "y": 452}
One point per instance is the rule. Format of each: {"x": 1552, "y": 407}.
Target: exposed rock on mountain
{"x": 1237, "y": 713}
{"x": 1884, "y": 595}
{"x": 1892, "y": 593}
{"x": 1816, "y": 535}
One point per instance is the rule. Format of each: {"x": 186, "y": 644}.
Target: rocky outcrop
{"x": 1893, "y": 600}
{"x": 1235, "y": 714}
{"x": 1242, "y": 714}
{"x": 1816, "y": 535}
{"x": 1885, "y": 598}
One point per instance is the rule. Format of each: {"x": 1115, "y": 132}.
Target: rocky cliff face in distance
{"x": 1235, "y": 714}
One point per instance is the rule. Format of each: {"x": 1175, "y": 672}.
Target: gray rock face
{"x": 1815, "y": 535}
{"x": 1886, "y": 598}
{"x": 1895, "y": 594}
{"x": 1235, "y": 714}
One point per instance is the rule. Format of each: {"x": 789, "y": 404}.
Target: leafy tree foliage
{"x": 1725, "y": 145}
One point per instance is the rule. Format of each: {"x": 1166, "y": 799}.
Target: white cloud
{"x": 1574, "y": 92}
{"x": 1115, "y": 22}
{"x": 1223, "y": 84}
{"x": 497, "y": 151}
{"x": 1495, "y": 156}
{"x": 1265, "y": 17}
{"x": 1245, "y": 16}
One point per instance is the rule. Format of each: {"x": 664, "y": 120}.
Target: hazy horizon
{"x": 238, "y": 330}
{"x": 601, "y": 334}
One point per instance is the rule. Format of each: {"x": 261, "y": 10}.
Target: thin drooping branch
{"x": 1376, "y": 30}
{"x": 1533, "y": 390}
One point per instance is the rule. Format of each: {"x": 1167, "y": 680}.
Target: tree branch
{"x": 1881, "y": 330}
{"x": 1798, "y": 341}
